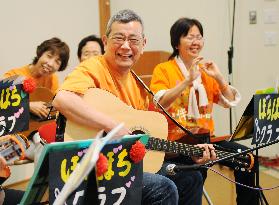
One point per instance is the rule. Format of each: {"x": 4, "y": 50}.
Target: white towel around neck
{"x": 193, "y": 108}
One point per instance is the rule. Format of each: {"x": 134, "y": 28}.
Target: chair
{"x": 147, "y": 62}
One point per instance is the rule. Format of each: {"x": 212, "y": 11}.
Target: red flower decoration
{"x": 29, "y": 85}
{"x": 101, "y": 165}
{"x": 137, "y": 152}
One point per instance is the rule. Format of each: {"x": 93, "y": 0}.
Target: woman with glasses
{"x": 90, "y": 46}
{"x": 188, "y": 85}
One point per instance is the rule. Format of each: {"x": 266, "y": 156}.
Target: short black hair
{"x": 181, "y": 28}
{"x": 55, "y": 46}
{"x": 83, "y": 42}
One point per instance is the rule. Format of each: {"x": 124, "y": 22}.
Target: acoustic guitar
{"x": 141, "y": 122}
{"x": 44, "y": 95}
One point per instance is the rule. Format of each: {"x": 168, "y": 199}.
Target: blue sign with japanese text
{"x": 266, "y": 118}
{"x": 121, "y": 184}
{"x": 14, "y": 108}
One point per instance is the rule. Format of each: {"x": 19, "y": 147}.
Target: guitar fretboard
{"x": 158, "y": 144}
{"x": 174, "y": 147}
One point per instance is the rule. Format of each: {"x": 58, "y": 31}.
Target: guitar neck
{"x": 173, "y": 147}
{"x": 158, "y": 144}
{"x": 147, "y": 122}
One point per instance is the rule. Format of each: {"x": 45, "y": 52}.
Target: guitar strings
{"x": 220, "y": 153}
{"x": 198, "y": 150}
{"x": 193, "y": 150}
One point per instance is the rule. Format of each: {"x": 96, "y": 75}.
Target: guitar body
{"x": 44, "y": 95}
{"x": 142, "y": 122}
{"x": 41, "y": 94}
{"x": 138, "y": 121}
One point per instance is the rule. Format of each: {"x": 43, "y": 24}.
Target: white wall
{"x": 25, "y": 24}
{"x": 255, "y": 63}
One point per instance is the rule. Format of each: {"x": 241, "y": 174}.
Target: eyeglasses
{"x": 134, "y": 41}
{"x": 194, "y": 38}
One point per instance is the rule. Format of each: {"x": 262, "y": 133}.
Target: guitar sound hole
{"x": 138, "y": 132}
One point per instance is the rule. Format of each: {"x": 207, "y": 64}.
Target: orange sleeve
{"x": 9, "y": 74}
{"x": 212, "y": 88}
{"x": 23, "y": 71}
{"x": 54, "y": 84}
{"x": 159, "y": 79}
{"x": 216, "y": 91}
{"x": 79, "y": 81}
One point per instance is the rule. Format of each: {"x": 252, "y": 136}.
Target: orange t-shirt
{"x": 168, "y": 75}
{"x": 95, "y": 73}
{"x": 50, "y": 81}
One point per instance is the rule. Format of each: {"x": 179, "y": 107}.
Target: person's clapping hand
{"x": 193, "y": 70}
{"x": 211, "y": 69}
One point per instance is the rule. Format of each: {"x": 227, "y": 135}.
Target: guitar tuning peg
{"x": 243, "y": 169}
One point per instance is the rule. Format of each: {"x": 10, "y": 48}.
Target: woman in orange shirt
{"x": 188, "y": 86}
{"x": 52, "y": 56}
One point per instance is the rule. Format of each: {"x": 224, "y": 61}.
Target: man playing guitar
{"x": 124, "y": 42}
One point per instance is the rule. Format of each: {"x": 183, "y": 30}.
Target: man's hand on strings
{"x": 208, "y": 154}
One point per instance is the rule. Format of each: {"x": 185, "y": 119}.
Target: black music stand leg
{"x": 263, "y": 196}
{"x": 91, "y": 191}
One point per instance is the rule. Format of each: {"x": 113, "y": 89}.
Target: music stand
{"x": 245, "y": 130}
{"x": 265, "y": 126}
{"x": 259, "y": 122}
{"x": 14, "y": 112}
{"x": 44, "y": 178}
{"x": 245, "y": 127}
{"x": 38, "y": 184}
